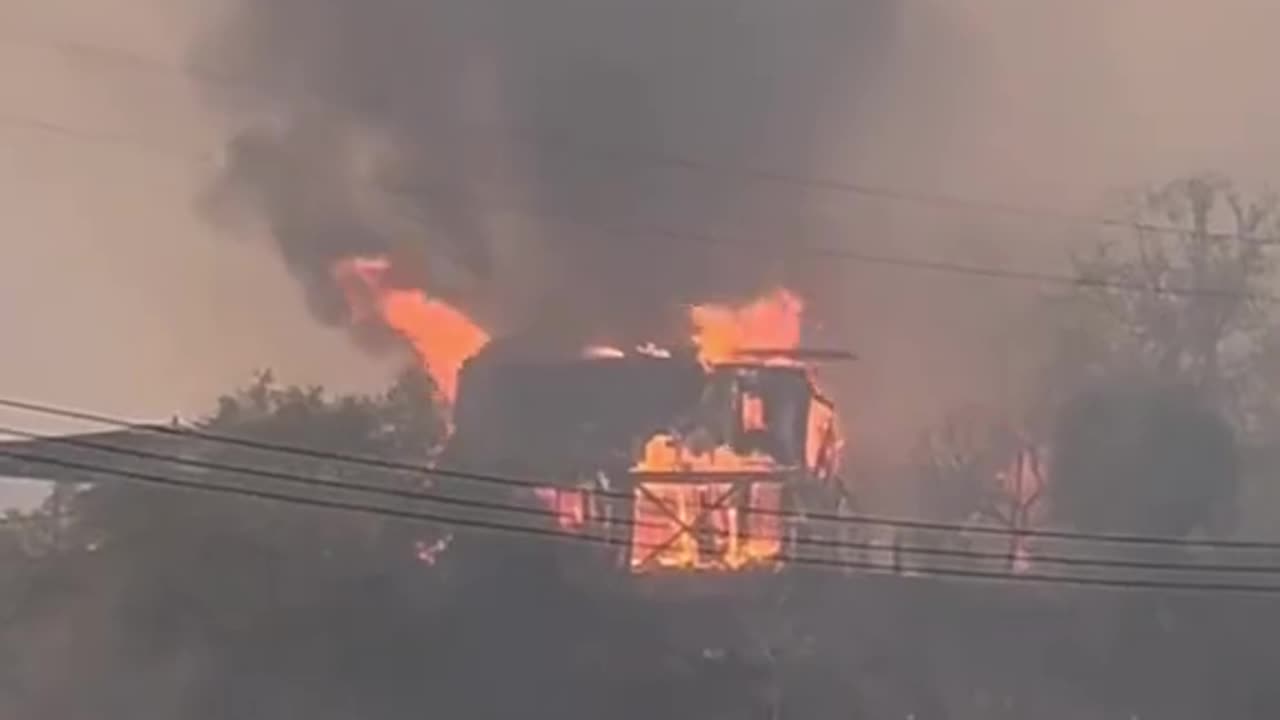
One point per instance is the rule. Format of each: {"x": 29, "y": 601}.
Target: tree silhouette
{"x": 1135, "y": 456}
{"x": 1183, "y": 297}
{"x": 162, "y": 603}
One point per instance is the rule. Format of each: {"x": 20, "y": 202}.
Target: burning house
{"x": 699, "y": 458}
{"x": 681, "y": 464}
{"x": 702, "y": 458}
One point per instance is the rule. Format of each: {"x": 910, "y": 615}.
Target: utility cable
{"x": 564, "y": 145}
{"x": 548, "y": 514}
{"x": 840, "y": 254}
{"x": 432, "y": 472}
{"x": 398, "y": 513}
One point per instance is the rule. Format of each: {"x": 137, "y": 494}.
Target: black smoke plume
{"x": 502, "y": 152}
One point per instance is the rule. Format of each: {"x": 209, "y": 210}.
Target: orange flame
{"x": 772, "y": 322}
{"x": 442, "y": 336}
{"x": 1023, "y": 484}
{"x": 723, "y": 520}
{"x": 602, "y": 351}
{"x": 663, "y": 453}
{"x": 705, "y": 526}
{"x": 722, "y": 332}
{"x": 568, "y": 505}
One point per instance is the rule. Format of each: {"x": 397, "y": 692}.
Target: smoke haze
{"x": 434, "y": 129}
{"x": 113, "y": 294}
{"x": 443, "y": 115}
{"x": 506, "y": 153}
{"x": 992, "y": 99}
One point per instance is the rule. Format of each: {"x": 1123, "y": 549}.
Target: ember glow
{"x": 723, "y": 332}
{"x": 664, "y": 454}
{"x": 428, "y": 553}
{"x": 1023, "y": 485}
{"x": 442, "y": 336}
{"x": 706, "y": 526}
{"x": 824, "y": 439}
{"x": 570, "y": 506}
{"x": 700, "y": 507}
{"x": 601, "y": 351}
{"x": 700, "y": 521}
{"x": 770, "y": 323}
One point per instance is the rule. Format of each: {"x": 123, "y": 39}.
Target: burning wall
{"x": 707, "y": 526}
{"x": 717, "y": 502}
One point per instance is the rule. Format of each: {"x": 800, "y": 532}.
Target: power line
{"x": 829, "y": 252}
{"x": 377, "y": 510}
{"x": 49, "y": 127}
{"x": 844, "y": 254}
{"x": 31, "y": 40}
{"x": 954, "y": 268}
{"x": 543, "y": 513}
{"x": 567, "y": 146}
{"x": 917, "y": 198}
{"x": 436, "y": 472}
{"x": 681, "y": 236}
{"x": 294, "y": 478}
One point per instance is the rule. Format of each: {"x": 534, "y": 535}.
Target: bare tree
{"x": 1183, "y": 297}
{"x": 979, "y": 468}
{"x": 959, "y": 460}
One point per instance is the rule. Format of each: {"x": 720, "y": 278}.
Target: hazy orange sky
{"x": 113, "y": 294}
{"x": 1049, "y": 104}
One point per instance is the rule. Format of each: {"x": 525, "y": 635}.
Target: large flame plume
{"x": 442, "y": 336}
{"x": 769, "y": 323}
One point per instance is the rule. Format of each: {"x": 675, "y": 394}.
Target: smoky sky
{"x": 512, "y": 156}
